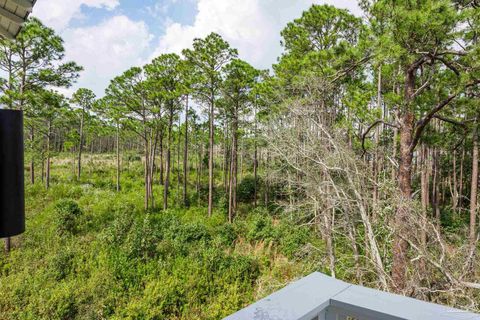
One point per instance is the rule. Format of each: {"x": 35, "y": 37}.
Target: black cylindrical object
{"x": 12, "y": 192}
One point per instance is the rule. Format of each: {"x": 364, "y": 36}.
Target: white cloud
{"x": 252, "y": 26}
{"x": 158, "y": 9}
{"x": 113, "y": 45}
{"x": 57, "y": 14}
{"x": 106, "y": 50}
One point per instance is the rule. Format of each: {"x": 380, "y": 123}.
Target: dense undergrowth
{"x": 92, "y": 253}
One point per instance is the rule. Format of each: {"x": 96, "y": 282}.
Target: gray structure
{"x": 13, "y": 14}
{"x": 319, "y": 297}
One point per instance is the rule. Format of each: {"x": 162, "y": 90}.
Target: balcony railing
{"x": 319, "y": 297}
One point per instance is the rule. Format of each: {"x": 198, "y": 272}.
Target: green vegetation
{"x": 92, "y": 253}
{"x": 197, "y": 184}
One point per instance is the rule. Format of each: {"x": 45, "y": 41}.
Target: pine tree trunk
{"x": 162, "y": 180}
{"x": 74, "y": 162}
{"x": 435, "y": 188}
{"x": 80, "y": 146}
{"x": 394, "y": 154}
{"x": 424, "y": 183}
{"x": 145, "y": 169}
{"x": 267, "y": 184}
{"x": 376, "y": 161}
{"x": 403, "y": 212}
{"x": 255, "y": 173}
{"x": 47, "y": 176}
{"x": 400, "y": 245}
{"x": 255, "y": 159}
{"x": 179, "y": 177}
{"x": 32, "y": 161}
{"x": 198, "y": 165}
{"x": 240, "y": 157}
{"x": 473, "y": 192}
{"x": 232, "y": 199}
{"x": 117, "y": 146}
{"x": 460, "y": 182}
{"x": 168, "y": 160}
{"x": 455, "y": 183}
{"x": 153, "y": 150}
{"x": 185, "y": 157}
{"x": 226, "y": 161}
{"x": 43, "y": 168}
{"x": 210, "y": 156}
{"x": 201, "y": 167}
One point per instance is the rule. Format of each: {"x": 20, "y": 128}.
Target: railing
{"x": 319, "y": 297}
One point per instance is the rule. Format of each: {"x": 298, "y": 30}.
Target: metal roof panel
{"x": 318, "y": 296}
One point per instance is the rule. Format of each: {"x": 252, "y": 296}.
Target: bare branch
{"x": 421, "y": 89}
{"x": 420, "y": 127}
{"x": 448, "y": 120}
{"x": 349, "y": 69}
{"x": 373, "y": 125}
{"x": 449, "y": 65}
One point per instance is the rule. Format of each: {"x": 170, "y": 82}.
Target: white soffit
{"x": 13, "y": 13}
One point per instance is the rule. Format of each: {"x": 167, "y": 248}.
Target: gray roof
{"x": 13, "y": 14}
{"x": 318, "y": 296}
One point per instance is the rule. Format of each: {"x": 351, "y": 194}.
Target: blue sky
{"x": 155, "y": 13}
{"x": 108, "y": 36}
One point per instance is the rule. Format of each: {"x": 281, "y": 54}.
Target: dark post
{"x": 12, "y": 194}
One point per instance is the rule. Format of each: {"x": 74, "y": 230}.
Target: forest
{"x": 198, "y": 184}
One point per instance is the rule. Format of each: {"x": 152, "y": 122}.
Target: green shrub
{"x": 62, "y": 264}
{"x": 101, "y": 183}
{"x": 66, "y": 216}
{"x": 226, "y": 234}
{"x": 292, "y": 239}
{"x": 246, "y": 189}
{"x": 62, "y": 304}
{"x": 220, "y": 197}
{"x": 65, "y": 191}
{"x": 123, "y": 218}
{"x": 142, "y": 239}
{"x": 162, "y": 299}
{"x": 261, "y": 228}
{"x": 452, "y": 221}
{"x": 236, "y": 268}
{"x": 123, "y": 269}
{"x": 189, "y": 233}
{"x": 125, "y": 263}
{"x": 131, "y": 157}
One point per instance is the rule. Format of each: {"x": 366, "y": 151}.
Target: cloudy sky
{"x": 107, "y": 37}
